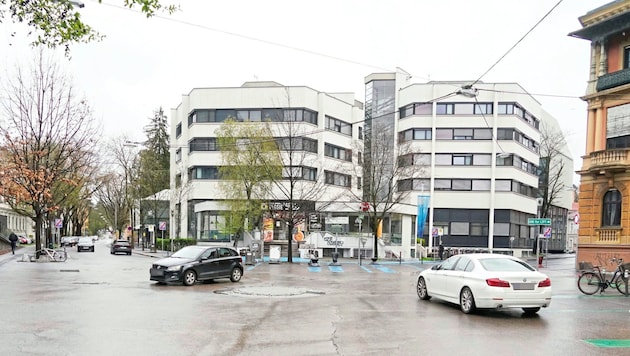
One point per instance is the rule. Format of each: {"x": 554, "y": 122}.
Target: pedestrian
{"x": 441, "y": 251}
{"x": 13, "y": 238}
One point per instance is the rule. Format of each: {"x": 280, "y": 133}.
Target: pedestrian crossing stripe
{"x": 314, "y": 269}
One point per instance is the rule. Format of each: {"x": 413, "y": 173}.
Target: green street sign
{"x": 538, "y": 221}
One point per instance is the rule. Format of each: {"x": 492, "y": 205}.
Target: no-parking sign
{"x": 547, "y": 232}
{"x": 162, "y": 226}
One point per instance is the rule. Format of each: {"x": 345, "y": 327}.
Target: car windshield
{"x": 188, "y": 252}
{"x": 85, "y": 239}
{"x": 504, "y": 265}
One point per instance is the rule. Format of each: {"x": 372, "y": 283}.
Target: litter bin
{"x": 335, "y": 257}
{"x": 249, "y": 258}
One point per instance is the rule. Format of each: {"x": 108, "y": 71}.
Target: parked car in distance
{"x": 198, "y": 263}
{"x": 85, "y": 244}
{"x": 24, "y": 240}
{"x": 486, "y": 280}
{"x": 69, "y": 241}
{"x": 120, "y": 246}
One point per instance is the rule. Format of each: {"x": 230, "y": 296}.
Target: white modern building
{"x": 327, "y": 126}
{"x": 10, "y": 221}
{"x": 480, "y": 145}
{"x": 479, "y": 148}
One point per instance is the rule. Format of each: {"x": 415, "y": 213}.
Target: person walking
{"x": 13, "y": 238}
{"x": 441, "y": 251}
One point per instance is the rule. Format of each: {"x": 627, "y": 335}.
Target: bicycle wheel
{"x": 620, "y": 283}
{"x": 589, "y": 283}
{"x": 60, "y": 256}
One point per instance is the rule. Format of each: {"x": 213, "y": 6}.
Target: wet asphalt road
{"x": 99, "y": 304}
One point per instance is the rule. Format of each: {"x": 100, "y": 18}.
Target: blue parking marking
{"x": 314, "y": 269}
{"x": 385, "y": 269}
{"x": 366, "y": 269}
{"x": 336, "y": 269}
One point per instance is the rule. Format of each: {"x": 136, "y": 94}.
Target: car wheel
{"x": 190, "y": 277}
{"x": 236, "y": 274}
{"x": 129, "y": 254}
{"x": 422, "y": 289}
{"x": 531, "y": 311}
{"x": 467, "y": 301}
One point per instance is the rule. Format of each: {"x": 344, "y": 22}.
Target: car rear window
{"x": 505, "y": 265}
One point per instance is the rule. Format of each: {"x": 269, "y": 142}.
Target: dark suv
{"x": 120, "y": 246}
{"x": 198, "y": 263}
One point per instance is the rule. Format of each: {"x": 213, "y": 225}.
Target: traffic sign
{"x": 547, "y": 233}
{"x": 162, "y": 225}
{"x": 58, "y": 223}
{"x": 538, "y": 221}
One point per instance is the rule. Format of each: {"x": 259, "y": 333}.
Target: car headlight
{"x": 174, "y": 268}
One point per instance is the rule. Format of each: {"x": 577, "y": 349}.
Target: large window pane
{"x": 459, "y": 228}
{"x": 501, "y": 229}
{"x": 464, "y": 109}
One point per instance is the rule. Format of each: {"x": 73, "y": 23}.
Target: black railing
{"x": 614, "y": 79}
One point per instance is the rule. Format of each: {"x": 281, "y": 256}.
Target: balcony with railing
{"x": 613, "y": 80}
{"x": 614, "y": 160}
{"x": 605, "y": 236}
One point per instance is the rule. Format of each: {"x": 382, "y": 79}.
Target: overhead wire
{"x": 350, "y": 61}
{"x": 517, "y": 42}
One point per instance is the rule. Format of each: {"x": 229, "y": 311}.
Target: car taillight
{"x": 495, "y": 282}
{"x": 545, "y": 283}
{"x": 240, "y": 259}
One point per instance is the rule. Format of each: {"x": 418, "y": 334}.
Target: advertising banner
{"x": 267, "y": 229}
{"x": 423, "y": 209}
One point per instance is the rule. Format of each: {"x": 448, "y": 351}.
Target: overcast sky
{"x": 328, "y": 45}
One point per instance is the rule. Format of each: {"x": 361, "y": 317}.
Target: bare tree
{"x": 303, "y": 182}
{"x": 552, "y": 170}
{"x": 388, "y": 172}
{"x": 49, "y": 139}
{"x": 116, "y": 194}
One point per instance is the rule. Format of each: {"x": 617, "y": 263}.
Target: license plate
{"x": 523, "y": 286}
{"x": 157, "y": 273}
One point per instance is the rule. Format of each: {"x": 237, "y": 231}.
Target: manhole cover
{"x": 68, "y": 270}
{"x": 271, "y": 292}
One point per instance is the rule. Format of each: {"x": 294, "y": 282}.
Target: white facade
{"x": 10, "y": 221}
{"x": 480, "y": 154}
{"x": 196, "y": 205}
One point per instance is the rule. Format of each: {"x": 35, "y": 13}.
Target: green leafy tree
{"x": 57, "y": 23}
{"x": 251, "y": 162}
{"x": 154, "y": 164}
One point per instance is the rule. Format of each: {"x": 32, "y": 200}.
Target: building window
{"x": 297, "y": 144}
{"x": 334, "y": 178}
{"x": 203, "y": 144}
{"x": 338, "y": 126}
{"x": 611, "y": 214}
{"x": 178, "y": 130}
{"x": 462, "y": 159}
{"x": 459, "y": 228}
{"x": 462, "y": 134}
{"x": 204, "y": 173}
{"x": 626, "y": 57}
{"x": 338, "y": 152}
{"x": 178, "y": 155}
{"x": 360, "y": 133}
{"x": 444, "y": 109}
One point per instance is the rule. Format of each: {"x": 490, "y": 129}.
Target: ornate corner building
{"x": 604, "y": 230}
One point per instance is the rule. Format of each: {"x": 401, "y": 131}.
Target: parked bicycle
{"x": 54, "y": 255}
{"x": 594, "y": 279}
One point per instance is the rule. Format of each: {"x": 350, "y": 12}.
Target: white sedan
{"x": 484, "y": 280}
